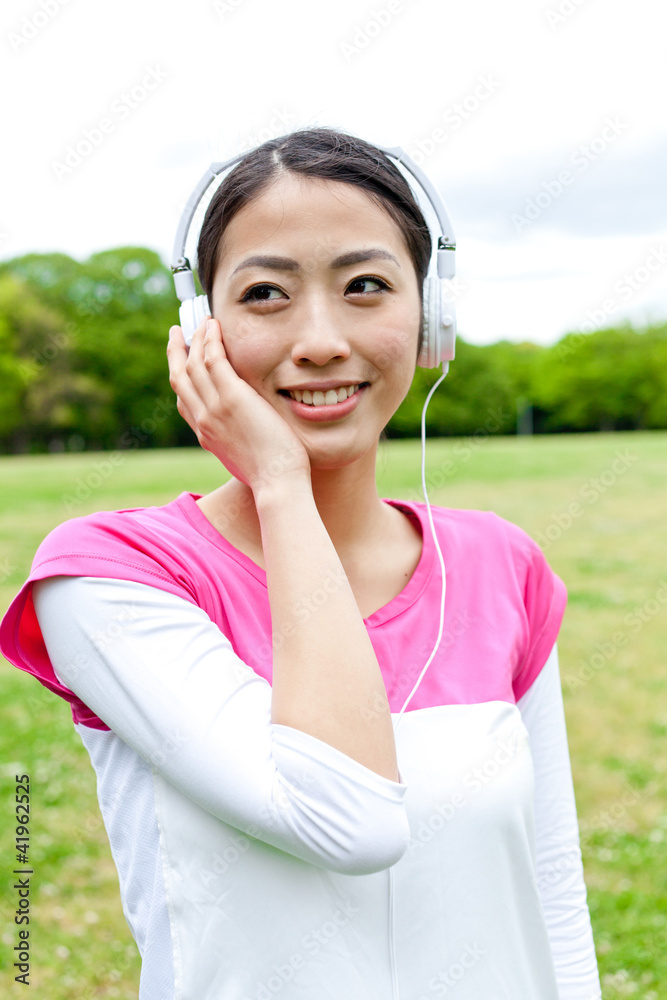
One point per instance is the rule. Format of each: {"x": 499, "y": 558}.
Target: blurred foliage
{"x": 82, "y": 352}
{"x": 83, "y": 366}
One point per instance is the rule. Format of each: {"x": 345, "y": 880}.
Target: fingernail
{"x": 209, "y": 326}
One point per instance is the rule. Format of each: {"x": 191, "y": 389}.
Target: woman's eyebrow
{"x": 288, "y": 264}
{"x": 359, "y": 256}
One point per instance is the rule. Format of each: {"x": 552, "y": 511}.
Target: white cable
{"x": 435, "y": 539}
{"x": 391, "y": 899}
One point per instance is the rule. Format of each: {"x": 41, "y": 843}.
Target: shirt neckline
{"x": 187, "y": 503}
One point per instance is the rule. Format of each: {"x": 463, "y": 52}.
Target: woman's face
{"x": 315, "y": 288}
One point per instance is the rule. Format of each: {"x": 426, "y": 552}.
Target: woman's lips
{"x": 331, "y": 411}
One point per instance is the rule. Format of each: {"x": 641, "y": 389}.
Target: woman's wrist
{"x": 326, "y": 678}
{"x": 274, "y": 490}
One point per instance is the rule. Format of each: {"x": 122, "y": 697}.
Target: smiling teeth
{"x": 319, "y": 398}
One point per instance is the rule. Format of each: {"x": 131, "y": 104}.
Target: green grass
{"x": 600, "y": 519}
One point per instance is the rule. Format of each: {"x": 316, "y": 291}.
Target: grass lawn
{"x": 596, "y": 503}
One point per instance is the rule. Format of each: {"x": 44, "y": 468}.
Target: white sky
{"x": 581, "y": 92}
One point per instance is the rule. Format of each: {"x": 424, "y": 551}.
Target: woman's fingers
{"x": 214, "y": 355}
{"x": 230, "y": 418}
{"x": 187, "y": 374}
{"x": 202, "y": 377}
{"x": 177, "y": 355}
{"x": 208, "y": 367}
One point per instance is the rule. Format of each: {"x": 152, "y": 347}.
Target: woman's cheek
{"x": 251, "y": 353}
{"x": 398, "y": 344}
{"x": 239, "y": 331}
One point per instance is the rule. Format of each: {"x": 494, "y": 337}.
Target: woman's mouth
{"x": 320, "y": 398}
{"x": 318, "y": 405}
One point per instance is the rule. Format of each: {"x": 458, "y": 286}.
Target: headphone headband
{"x": 445, "y": 241}
{"x": 214, "y": 170}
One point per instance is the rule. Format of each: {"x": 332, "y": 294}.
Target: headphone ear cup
{"x": 429, "y": 353}
{"x": 428, "y": 357}
{"x": 439, "y": 325}
{"x": 191, "y": 313}
{"x": 446, "y": 324}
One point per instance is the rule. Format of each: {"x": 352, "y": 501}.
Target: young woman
{"x": 236, "y": 661}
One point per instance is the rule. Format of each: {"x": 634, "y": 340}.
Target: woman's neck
{"x": 346, "y": 498}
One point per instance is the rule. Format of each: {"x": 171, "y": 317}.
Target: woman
{"x": 234, "y": 660}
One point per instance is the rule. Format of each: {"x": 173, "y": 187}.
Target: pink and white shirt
{"x": 257, "y": 861}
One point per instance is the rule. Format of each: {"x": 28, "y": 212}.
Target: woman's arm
{"x": 168, "y": 682}
{"x": 560, "y": 873}
{"x": 326, "y": 678}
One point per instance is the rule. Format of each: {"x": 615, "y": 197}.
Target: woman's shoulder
{"x": 125, "y": 519}
{"x": 80, "y": 546}
{"x": 470, "y": 526}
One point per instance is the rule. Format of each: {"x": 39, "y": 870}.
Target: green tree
{"x": 606, "y": 380}
{"x": 479, "y": 394}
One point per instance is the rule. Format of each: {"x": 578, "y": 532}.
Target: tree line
{"x": 83, "y": 367}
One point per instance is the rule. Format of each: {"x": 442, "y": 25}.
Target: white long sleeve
{"x": 165, "y": 679}
{"x": 559, "y": 866}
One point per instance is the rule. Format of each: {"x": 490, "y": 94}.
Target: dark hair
{"x": 317, "y": 152}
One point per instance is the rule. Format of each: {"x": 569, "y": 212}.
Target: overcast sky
{"x": 541, "y": 122}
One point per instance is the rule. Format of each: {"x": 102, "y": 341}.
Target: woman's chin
{"x": 324, "y": 458}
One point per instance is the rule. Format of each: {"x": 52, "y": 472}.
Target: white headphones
{"x": 439, "y": 313}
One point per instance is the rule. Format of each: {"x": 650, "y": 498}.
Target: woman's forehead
{"x": 299, "y": 207}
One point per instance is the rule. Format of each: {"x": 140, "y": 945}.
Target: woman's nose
{"x": 321, "y": 335}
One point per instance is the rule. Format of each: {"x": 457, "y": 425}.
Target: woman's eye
{"x": 357, "y": 286}
{"x": 262, "y": 293}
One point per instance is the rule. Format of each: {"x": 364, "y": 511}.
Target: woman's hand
{"x": 231, "y": 419}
